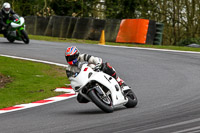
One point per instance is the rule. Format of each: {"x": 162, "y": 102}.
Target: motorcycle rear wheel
{"x": 132, "y": 99}
{"x": 108, "y": 108}
{"x": 25, "y": 37}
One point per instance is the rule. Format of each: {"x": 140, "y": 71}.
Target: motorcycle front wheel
{"x": 132, "y": 99}
{"x": 24, "y": 37}
{"x": 104, "y": 103}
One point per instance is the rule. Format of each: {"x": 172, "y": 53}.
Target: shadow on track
{"x": 95, "y": 111}
{"x": 14, "y": 43}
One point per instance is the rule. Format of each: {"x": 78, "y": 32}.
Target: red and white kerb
{"x": 70, "y": 93}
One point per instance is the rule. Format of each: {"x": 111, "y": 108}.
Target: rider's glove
{"x": 97, "y": 67}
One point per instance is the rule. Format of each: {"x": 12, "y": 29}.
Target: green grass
{"x": 30, "y": 81}
{"x": 58, "y": 39}
{"x": 71, "y": 40}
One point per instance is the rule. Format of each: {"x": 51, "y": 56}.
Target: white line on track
{"x": 189, "y": 130}
{"x": 176, "y": 124}
{"x": 153, "y": 49}
{"x": 35, "y": 60}
{"x": 156, "y": 129}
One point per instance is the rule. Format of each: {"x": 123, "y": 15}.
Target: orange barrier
{"x": 133, "y": 31}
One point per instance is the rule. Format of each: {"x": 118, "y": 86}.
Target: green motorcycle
{"x": 16, "y": 30}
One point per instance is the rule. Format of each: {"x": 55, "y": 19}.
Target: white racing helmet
{"x": 6, "y": 7}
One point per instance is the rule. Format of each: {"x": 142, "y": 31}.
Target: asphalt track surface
{"x": 167, "y": 85}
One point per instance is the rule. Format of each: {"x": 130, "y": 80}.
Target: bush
{"x": 188, "y": 41}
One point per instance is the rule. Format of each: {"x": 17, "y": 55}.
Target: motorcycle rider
{"x": 5, "y": 13}
{"x": 75, "y": 61}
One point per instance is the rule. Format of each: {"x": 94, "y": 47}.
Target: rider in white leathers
{"x": 75, "y": 61}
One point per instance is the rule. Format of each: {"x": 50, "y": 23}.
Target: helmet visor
{"x": 7, "y": 9}
{"x": 71, "y": 58}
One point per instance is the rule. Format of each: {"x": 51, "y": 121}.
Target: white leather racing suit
{"x": 73, "y": 70}
{"x": 91, "y": 60}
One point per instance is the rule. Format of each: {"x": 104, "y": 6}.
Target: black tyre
{"x": 11, "y": 40}
{"x": 132, "y": 99}
{"x": 104, "y": 103}
{"x": 24, "y": 37}
{"x": 81, "y": 99}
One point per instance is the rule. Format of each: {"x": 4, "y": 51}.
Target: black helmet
{"x": 71, "y": 55}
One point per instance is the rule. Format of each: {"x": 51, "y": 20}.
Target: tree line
{"x": 181, "y": 18}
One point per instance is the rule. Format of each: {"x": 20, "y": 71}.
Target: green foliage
{"x": 65, "y": 8}
{"x": 120, "y": 9}
{"x": 82, "y": 8}
{"x": 85, "y": 8}
{"x": 188, "y": 41}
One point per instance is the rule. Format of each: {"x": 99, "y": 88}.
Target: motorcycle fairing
{"x": 85, "y": 77}
{"x": 15, "y": 25}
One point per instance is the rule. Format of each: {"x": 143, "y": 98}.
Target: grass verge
{"x": 29, "y": 81}
{"x": 71, "y": 40}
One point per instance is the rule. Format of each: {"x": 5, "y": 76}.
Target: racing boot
{"x": 122, "y": 85}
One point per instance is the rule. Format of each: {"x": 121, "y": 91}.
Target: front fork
{"x": 97, "y": 88}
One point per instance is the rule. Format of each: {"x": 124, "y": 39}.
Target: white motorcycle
{"x": 102, "y": 89}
